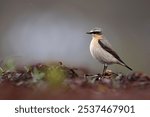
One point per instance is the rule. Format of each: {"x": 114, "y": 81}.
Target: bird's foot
{"x": 99, "y": 77}
{"x": 108, "y": 73}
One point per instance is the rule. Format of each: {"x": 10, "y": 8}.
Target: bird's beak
{"x": 88, "y": 32}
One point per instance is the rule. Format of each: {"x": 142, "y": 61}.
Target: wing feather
{"x": 107, "y": 48}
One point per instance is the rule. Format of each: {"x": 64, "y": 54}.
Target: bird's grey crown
{"x": 95, "y": 30}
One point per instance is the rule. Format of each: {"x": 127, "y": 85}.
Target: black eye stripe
{"x": 96, "y": 32}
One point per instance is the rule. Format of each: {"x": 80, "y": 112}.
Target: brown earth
{"x": 41, "y": 81}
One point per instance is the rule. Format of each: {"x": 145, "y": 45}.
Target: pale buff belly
{"x": 100, "y": 54}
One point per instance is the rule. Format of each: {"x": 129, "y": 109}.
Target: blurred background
{"x": 54, "y": 30}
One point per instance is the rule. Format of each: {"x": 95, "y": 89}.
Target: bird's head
{"x": 96, "y": 33}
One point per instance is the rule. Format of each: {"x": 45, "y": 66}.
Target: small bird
{"x": 101, "y": 50}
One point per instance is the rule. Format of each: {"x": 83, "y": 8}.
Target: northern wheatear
{"x": 102, "y": 51}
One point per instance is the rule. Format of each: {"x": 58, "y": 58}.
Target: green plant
{"x": 9, "y": 65}
{"x": 56, "y": 75}
{"x": 37, "y": 75}
{"x": 1, "y": 71}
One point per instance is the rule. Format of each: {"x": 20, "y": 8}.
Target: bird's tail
{"x": 123, "y": 64}
{"x": 128, "y": 67}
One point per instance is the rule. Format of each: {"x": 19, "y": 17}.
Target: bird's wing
{"x": 106, "y": 42}
{"x": 107, "y": 47}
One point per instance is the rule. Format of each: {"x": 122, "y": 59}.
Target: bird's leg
{"x": 104, "y": 69}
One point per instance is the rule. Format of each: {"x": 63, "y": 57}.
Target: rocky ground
{"x": 57, "y": 81}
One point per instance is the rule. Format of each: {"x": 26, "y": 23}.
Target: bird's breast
{"x": 94, "y": 48}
